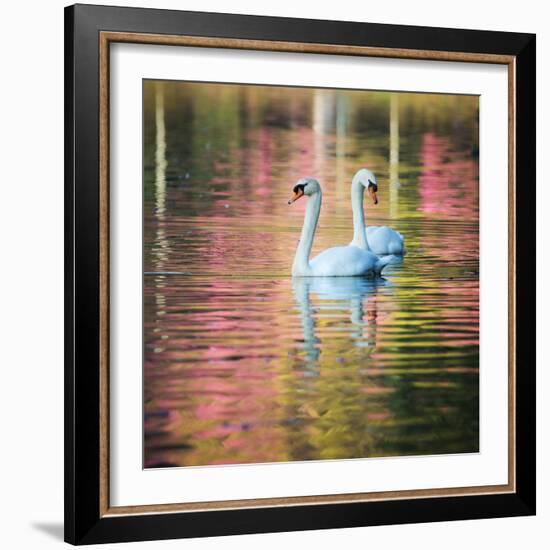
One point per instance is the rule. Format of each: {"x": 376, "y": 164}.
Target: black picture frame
{"x": 84, "y": 524}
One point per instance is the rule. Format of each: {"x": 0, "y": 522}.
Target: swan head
{"x": 368, "y": 180}
{"x": 304, "y": 186}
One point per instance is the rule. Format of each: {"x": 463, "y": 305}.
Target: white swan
{"x": 381, "y": 240}
{"x": 339, "y": 261}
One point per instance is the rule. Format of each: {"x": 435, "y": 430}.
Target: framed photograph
{"x": 300, "y": 274}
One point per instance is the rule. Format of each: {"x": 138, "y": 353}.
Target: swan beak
{"x": 373, "y": 195}
{"x": 296, "y": 196}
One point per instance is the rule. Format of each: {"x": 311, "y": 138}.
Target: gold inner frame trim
{"x": 105, "y": 39}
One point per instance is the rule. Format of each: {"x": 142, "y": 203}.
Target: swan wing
{"x": 345, "y": 261}
{"x": 385, "y": 240}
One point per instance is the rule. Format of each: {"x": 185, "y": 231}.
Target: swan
{"x": 338, "y": 261}
{"x": 381, "y": 240}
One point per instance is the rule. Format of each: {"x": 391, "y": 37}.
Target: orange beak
{"x": 296, "y": 196}
{"x": 373, "y": 195}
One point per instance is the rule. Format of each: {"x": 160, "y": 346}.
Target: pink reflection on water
{"x": 236, "y": 415}
{"x": 448, "y": 189}
{"x": 302, "y": 160}
{"x": 265, "y": 159}
{"x": 224, "y": 399}
{"x": 448, "y": 183}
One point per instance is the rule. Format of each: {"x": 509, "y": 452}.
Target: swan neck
{"x": 301, "y": 259}
{"x": 359, "y": 230}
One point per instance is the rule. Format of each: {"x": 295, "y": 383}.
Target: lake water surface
{"x": 242, "y": 363}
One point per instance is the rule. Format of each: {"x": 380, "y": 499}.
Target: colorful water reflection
{"x": 244, "y": 364}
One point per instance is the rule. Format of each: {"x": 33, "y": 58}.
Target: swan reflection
{"x": 325, "y": 298}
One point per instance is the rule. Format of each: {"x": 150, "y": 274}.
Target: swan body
{"x": 339, "y": 261}
{"x": 381, "y": 240}
{"x": 346, "y": 261}
{"x": 385, "y": 240}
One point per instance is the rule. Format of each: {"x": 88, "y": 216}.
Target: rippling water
{"x": 244, "y": 364}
